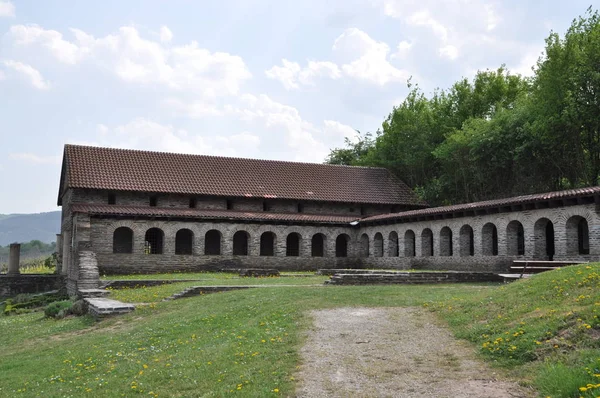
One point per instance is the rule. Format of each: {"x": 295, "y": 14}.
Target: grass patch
{"x": 242, "y": 342}
{"x": 540, "y": 327}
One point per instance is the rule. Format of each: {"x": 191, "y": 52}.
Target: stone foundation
{"x": 12, "y": 285}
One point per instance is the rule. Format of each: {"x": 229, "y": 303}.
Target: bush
{"x": 79, "y": 308}
{"x": 58, "y": 309}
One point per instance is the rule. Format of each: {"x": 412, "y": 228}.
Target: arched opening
{"x": 489, "y": 240}
{"x": 267, "y": 244}
{"x": 467, "y": 244}
{"x": 341, "y": 245}
{"x": 393, "y": 249}
{"x": 364, "y": 245}
{"x": 409, "y": 244}
{"x": 123, "y": 240}
{"x": 578, "y": 236}
{"x": 427, "y": 243}
{"x": 240, "y": 243}
{"x": 515, "y": 239}
{"x": 378, "y": 245}
{"x": 184, "y": 242}
{"x": 292, "y": 245}
{"x": 446, "y": 242}
{"x": 212, "y": 243}
{"x": 317, "y": 245}
{"x": 153, "y": 241}
{"x": 543, "y": 235}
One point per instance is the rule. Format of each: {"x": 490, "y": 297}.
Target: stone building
{"x": 138, "y": 211}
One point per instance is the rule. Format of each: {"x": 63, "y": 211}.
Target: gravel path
{"x": 392, "y": 352}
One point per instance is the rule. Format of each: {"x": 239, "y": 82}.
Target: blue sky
{"x": 269, "y": 79}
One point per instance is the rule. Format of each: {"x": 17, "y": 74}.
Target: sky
{"x": 286, "y": 80}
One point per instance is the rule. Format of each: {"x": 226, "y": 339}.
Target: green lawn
{"x": 242, "y": 342}
{"x": 543, "y": 330}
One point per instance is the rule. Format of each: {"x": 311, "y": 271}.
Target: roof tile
{"x": 161, "y": 172}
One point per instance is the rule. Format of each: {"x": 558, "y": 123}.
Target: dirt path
{"x": 392, "y": 352}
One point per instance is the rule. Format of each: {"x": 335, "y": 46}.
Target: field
{"x": 543, "y": 331}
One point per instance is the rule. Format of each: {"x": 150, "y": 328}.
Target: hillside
{"x": 27, "y": 227}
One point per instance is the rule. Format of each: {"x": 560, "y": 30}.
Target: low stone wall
{"x": 115, "y": 264}
{"x": 137, "y": 283}
{"x": 11, "y": 285}
{"x": 199, "y": 290}
{"x": 387, "y": 278}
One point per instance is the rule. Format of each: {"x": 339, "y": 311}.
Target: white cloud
{"x": 165, "y": 34}
{"x": 146, "y": 134}
{"x": 33, "y": 75}
{"x": 7, "y": 9}
{"x": 402, "y": 50}
{"x": 453, "y": 31}
{"x": 145, "y": 62}
{"x": 35, "y": 159}
{"x": 292, "y": 75}
{"x": 338, "y": 131}
{"x": 360, "y": 57}
{"x": 449, "y": 51}
{"x": 52, "y": 40}
{"x": 371, "y": 64}
{"x": 424, "y": 18}
{"x": 2, "y": 75}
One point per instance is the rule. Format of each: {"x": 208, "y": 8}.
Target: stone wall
{"x": 12, "y": 285}
{"x": 102, "y": 230}
{"x": 212, "y": 202}
{"x": 482, "y": 259}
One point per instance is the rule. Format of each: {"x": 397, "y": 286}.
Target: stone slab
{"x": 102, "y": 307}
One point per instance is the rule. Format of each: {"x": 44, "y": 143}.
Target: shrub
{"x": 79, "y": 308}
{"x": 54, "y": 309}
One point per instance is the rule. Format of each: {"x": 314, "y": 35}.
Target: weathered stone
{"x": 13, "y": 259}
{"x": 102, "y": 307}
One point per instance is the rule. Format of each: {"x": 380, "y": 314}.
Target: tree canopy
{"x": 499, "y": 134}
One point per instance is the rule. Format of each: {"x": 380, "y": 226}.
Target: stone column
{"x": 59, "y": 250}
{"x": 66, "y": 252}
{"x": 13, "y": 259}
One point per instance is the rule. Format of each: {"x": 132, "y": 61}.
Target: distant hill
{"x": 27, "y": 227}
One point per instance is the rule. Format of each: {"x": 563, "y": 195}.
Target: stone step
{"x": 198, "y": 290}
{"x": 103, "y": 307}
{"x": 91, "y": 293}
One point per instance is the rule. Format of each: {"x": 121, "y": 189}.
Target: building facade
{"x": 141, "y": 212}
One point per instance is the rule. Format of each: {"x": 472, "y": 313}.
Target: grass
{"x": 241, "y": 342}
{"x": 545, "y": 330}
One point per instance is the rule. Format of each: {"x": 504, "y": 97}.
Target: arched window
{"x": 446, "y": 248}
{"x": 212, "y": 243}
{"x": 153, "y": 242}
{"x": 467, "y": 244}
{"x": 409, "y": 244}
{"x": 427, "y": 243}
{"x": 292, "y": 245}
{"x": 184, "y": 242}
{"x": 317, "y": 246}
{"x": 543, "y": 235}
{"x": 489, "y": 240}
{"x": 393, "y": 250}
{"x": 267, "y": 244}
{"x": 341, "y": 245}
{"x": 364, "y": 245}
{"x": 378, "y": 245}
{"x": 123, "y": 240}
{"x": 515, "y": 239}
{"x": 578, "y": 236}
{"x": 240, "y": 243}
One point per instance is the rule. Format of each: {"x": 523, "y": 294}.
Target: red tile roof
{"x": 161, "y": 212}
{"x": 518, "y": 200}
{"x": 161, "y": 172}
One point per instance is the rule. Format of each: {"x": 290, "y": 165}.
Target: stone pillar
{"x": 59, "y": 250}
{"x": 13, "y": 259}
{"x": 66, "y": 252}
